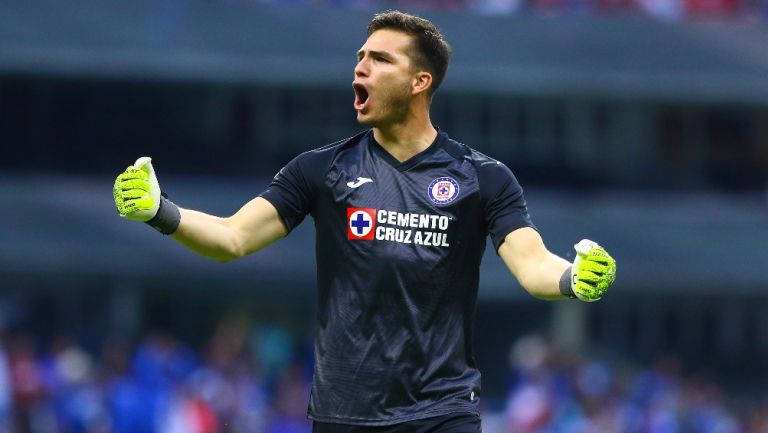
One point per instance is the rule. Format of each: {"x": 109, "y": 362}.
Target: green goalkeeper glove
{"x": 137, "y": 192}
{"x": 138, "y": 197}
{"x": 592, "y": 273}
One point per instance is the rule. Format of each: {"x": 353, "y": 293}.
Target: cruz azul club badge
{"x": 443, "y": 190}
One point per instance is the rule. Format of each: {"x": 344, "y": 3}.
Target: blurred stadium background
{"x": 642, "y": 124}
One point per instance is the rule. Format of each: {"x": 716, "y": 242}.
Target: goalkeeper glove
{"x": 138, "y": 197}
{"x": 592, "y": 272}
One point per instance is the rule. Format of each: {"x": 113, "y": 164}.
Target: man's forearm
{"x": 253, "y": 227}
{"x": 208, "y": 235}
{"x": 543, "y": 281}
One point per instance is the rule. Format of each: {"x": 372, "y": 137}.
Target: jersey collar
{"x": 412, "y": 161}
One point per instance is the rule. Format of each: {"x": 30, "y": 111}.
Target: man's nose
{"x": 361, "y": 69}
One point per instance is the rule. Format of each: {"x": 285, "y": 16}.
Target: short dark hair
{"x": 432, "y": 51}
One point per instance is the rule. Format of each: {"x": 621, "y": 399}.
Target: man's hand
{"x": 593, "y": 271}
{"x": 137, "y": 192}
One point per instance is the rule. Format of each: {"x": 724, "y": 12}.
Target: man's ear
{"x": 421, "y": 82}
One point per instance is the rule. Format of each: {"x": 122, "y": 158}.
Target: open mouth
{"x": 361, "y": 95}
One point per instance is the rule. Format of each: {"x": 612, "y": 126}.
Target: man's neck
{"x": 404, "y": 141}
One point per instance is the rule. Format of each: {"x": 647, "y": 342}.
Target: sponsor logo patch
{"x": 392, "y": 226}
{"x": 361, "y": 223}
{"x": 443, "y": 190}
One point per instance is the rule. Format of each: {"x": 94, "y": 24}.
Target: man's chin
{"x": 365, "y": 120}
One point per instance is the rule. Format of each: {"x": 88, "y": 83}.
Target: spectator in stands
{"x": 29, "y": 394}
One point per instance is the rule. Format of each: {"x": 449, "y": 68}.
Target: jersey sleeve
{"x": 294, "y": 189}
{"x": 504, "y": 204}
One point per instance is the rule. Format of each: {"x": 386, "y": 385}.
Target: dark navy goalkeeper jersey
{"x": 398, "y": 255}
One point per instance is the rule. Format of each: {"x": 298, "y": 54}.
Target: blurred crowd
{"x": 551, "y": 392}
{"x": 728, "y": 10}
{"x": 243, "y": 379}
{"x": 255, "y": 378}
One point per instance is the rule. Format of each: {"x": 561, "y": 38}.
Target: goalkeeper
{"x": 401, "y": 213}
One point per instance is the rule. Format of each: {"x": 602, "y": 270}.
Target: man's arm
{"x": 256, "y": 225}
{"x": 538, "y": 270}
{"x": 253, "y": 227}
{"x": 547, "y": 276}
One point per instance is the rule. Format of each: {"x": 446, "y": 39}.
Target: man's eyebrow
{"x": 384, "y": 54}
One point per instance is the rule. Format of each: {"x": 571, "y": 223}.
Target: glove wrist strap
{"x": 167, "y": 218}
{"x": 565, "y": 284}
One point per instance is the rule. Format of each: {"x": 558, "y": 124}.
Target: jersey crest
{"x": 443, "y": 190}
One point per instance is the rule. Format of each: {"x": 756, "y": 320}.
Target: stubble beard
{"x": 394, "y": 108}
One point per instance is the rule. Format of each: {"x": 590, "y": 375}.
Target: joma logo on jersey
{"x": 361, "y": 223}
{"x": 406, "y": 228}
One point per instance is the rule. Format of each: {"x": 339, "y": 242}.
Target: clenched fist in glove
{"x": 592, "y": 272}
{"x": 138, "y": 197}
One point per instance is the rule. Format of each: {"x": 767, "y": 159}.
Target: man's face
{"x": 383, "y": 78}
